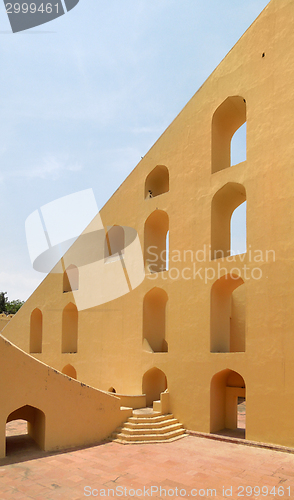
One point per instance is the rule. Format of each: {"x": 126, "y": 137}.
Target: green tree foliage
{"x": 9, "y": 307}
{"x": 3, "y": 301}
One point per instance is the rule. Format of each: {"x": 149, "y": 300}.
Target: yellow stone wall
{"x": 61, "y": 412}
{"x": 258, "y": 78}
{"x": 4, "y": 320}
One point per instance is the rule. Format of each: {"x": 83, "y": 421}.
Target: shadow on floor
{"x": 240, "y": 431}
{"x": 234, "y": 433}
{"x": 18, "y": 445}
{"x": 23, "y": 448}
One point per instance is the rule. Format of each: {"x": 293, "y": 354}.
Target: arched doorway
{"x": 227, "y": 390}
{"x": 153, "y": 384}
{"x": 25, "y": 427}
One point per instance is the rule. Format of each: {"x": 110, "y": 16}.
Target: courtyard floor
{"x": 192, "y": 467}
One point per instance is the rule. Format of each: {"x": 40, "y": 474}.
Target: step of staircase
{"x": 153, "y": 428}
{"x": 156, "y": 417}
{"x": 150, "y": 436}
{"x": 150, "y": 424}
{"x": 132, "y": 431}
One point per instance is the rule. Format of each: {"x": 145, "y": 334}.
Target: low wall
{"x": 4, "y": 320}
{"x": 62, "y": 412}
{"x": 134, "y": 402}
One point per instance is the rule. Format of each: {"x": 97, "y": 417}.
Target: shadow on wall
{"x": 227, "y": 119}
{"x": 157, "y": 182}
{"x": 228, "y": 313}
{"x": 224, "y": 203}
{"x": 154, "y": 319}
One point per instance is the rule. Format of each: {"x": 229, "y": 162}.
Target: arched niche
{"x": 155, "y": 241}
{"x": 70, "y": 329}
{"x": 154, "y": 319}
{"x": 224, "y": 203}
{"x": 227, "y": 314}
{"x": 71, "y": 279}
{"x": 157, "y": 182}
{"x": 114, "y": 242}
{"x": 70, "y": 371}
{"x": 36, "y": 329}
{"x": 227, "y": 119}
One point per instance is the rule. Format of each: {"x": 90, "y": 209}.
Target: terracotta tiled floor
{"x": 242, "y": 415}
{"x": 192, "y": 465}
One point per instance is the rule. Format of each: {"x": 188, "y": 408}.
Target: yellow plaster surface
{"x": 194, "y": 203}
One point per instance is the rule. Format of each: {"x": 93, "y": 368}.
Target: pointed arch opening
{"x": 154, "y": 321}
{"x": 224, "y": 203}
{"x": 25, "y": 428}
{"x": 157, "y": 182}
{"x": 155, "y": 242}
{"x": 227, "y": 119}
{"x": 153, "y": 384}
{"x": 227, "y": 393}
{"x": 70, "y": 371}
{"x": 36, "y": 331}
{"x": 70, "y": 329}
{"x": 114, "y": 243}
{"x": 71, "y": 279}
{"x": 228, "y": 314}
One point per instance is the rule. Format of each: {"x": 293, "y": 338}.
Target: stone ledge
{"x": 244, "y": 442}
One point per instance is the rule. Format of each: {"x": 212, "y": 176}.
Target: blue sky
{"x": 86, "y": 95}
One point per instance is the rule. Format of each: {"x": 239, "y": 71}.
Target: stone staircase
{"x": 149, "y": 428}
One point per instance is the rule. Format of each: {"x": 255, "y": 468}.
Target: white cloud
{"x": 50, "y": 168}
{"x": 20, "y": 285}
